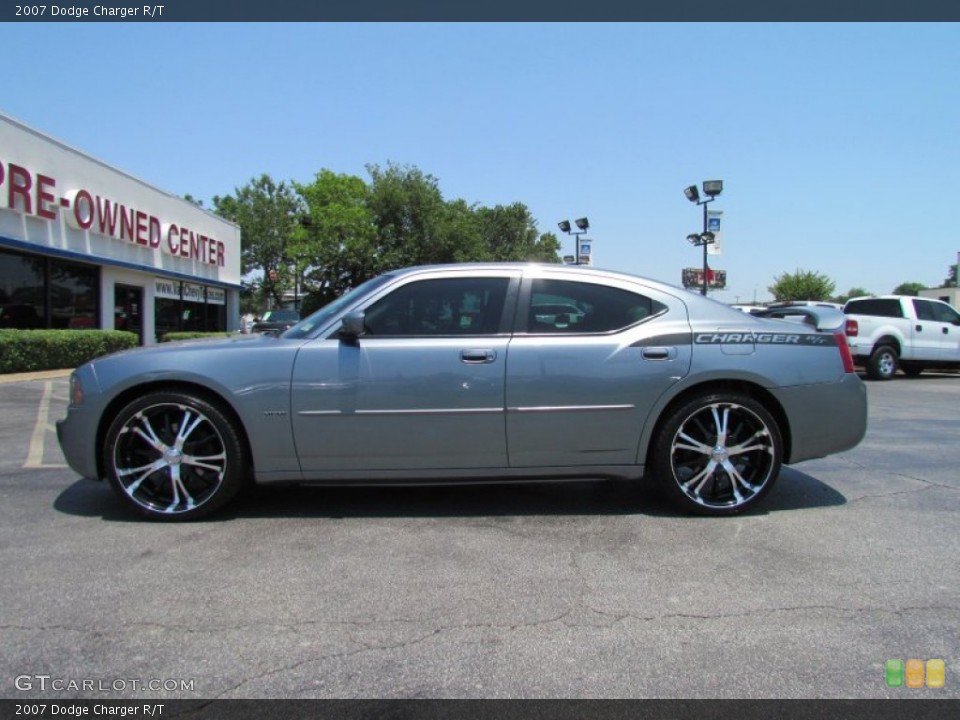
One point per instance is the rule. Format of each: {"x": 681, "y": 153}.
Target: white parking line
{"x": 40, "y": 429}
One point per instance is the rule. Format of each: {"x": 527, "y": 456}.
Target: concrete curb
{"x": 41, "y": 375}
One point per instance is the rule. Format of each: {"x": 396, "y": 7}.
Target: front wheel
{"x": 718, "y": 454}
{"x": 173, "y": 456}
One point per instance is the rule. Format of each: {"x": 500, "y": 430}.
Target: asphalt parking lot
{"x": 583, "y": 590}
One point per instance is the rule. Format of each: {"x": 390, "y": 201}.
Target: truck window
{"x": 879, "y": 307}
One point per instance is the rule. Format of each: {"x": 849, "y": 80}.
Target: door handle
{"x": 946, "y": 331}
{"x": 919, "y": 328}
{"x": 478, "y": 357}
{"x": 659, "y": 353}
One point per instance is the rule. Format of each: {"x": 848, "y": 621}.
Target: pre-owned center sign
{"x": 31, "y": 192}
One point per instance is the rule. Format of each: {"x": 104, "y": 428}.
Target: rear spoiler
{"x": 826, "y": 319}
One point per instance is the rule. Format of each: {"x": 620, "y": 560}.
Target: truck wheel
{"x": 882, "y": 364}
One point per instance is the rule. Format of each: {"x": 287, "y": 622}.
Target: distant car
{"x": 448, "y": 374}
{"x": 276, "y": 321}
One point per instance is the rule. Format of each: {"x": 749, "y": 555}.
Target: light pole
{"x": 582, "y": 226}
{"x": 711, "y": 188}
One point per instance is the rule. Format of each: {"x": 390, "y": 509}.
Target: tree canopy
{"x": 325, "y": 236}
{"x": 802, "y": 285}
{"x": 909, "y": 288}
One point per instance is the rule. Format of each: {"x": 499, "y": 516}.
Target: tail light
{"x": 853, "y": 328}
{"x": 845, "y": 355}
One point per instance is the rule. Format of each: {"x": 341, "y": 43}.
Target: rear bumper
{"x": 824, "y": 419}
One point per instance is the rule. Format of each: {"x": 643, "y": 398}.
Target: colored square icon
{"x": 914, "y": 673}
{"x": 894, "y": 670}
{"x": 936, "y": 673}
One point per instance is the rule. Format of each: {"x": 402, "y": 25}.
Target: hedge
{"x": 193, "y": 335}
{"x": 33, "y": 350}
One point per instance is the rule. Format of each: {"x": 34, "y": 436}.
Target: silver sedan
{"x": 456, "y": 374}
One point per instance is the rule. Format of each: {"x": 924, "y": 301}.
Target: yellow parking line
{"x": 40, "y": 429}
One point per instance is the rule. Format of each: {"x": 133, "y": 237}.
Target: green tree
{"x": 269, "y": 215}
{"x": 338, "y": 240}
{"x": 909, "y": 288}
{"x": 951, "y": 280}
{"x": 510, "y": 234}
{"x": 802, "y": 285}
{"x": 852, "y": 293}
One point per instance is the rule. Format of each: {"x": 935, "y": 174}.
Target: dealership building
{"x": 84, "y": 245}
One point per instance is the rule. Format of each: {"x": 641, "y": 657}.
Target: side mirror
{"x": 351, "y": 327}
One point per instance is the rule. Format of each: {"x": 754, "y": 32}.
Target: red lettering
{"x": 195, "y": 241}
{"x": 3, "y": 173}
{"x": 154, "y": 232}
{"x": 107, "y": 214}
{"x": 44, "y": 196}
{"x": 174, "y": 245}
{"x": 186, "y": 241}
{"x": 126, "y": 223}
{"x": 84, "y": 218}
{"x": 221, "y": 258}
{"x": 20, "y": 184}
{"x": 142, "y": 228}
{"x": 212, "y": 251}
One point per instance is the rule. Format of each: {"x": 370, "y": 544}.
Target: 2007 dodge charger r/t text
{"x": 455, "y": 373}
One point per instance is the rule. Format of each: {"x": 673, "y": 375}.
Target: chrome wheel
{"x": 172, "y": 456}
{"x": 720, "y": 454}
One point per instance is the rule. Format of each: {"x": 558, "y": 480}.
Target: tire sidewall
{"x": 662, "y": 451}
{"x": 234, "y": 470}
{"x": 875, "y": 365}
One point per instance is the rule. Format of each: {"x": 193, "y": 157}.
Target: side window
{"x": 924, "y": 309}
{"x": 945, "y": 313}
{"x": 563, "y": 306}
{"x": 450, "y": 306}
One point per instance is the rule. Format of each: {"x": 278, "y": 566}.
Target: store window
{"x": 38, "y": 292}
{"x": 188, "y": 307}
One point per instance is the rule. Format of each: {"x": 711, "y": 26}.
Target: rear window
{"x": 880, "y": 307}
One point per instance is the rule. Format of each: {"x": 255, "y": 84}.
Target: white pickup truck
{"x": 911, "y": 333}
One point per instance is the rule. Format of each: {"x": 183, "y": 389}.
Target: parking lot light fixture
{"x": 582, "y": 226}
{"x": 711, "y": 188}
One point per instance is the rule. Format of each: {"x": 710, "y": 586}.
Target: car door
{"x": 422, "y": 388}
{"x": 580, "y": 384}
{"x": 949, "y": 325}
{"x": 931, "y": 335}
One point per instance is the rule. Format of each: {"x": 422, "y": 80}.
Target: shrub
{"x": 33, "y": 350}
{"x": 193, "y": 335}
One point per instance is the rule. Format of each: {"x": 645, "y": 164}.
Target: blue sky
{"x": 838, "y": 144}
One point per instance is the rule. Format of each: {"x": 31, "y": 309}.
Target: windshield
{"x": 325, "y": 314}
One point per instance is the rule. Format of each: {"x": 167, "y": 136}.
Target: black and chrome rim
{"x": 722, "y": 455}
{"x": 169, "y": 458}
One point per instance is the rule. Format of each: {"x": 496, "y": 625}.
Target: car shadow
{"x": 794, "y": 491}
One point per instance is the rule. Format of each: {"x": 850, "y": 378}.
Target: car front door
{"x": 580, "y": 384}
{"x": 422, "y": 388}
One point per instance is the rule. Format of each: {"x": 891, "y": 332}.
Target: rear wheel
{"x": 882, "y": 364}
{"x": 718, "y": 454}
{"x": 173, "y": 456}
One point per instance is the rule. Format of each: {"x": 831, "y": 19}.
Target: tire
{"x": 911, "y": 370}
{"x": 718, "y": 454}
{"x": 173, "y": 456}
{"x": 882, "y": 364}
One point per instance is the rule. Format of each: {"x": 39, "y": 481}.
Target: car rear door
{"x": 580, "y": 385}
